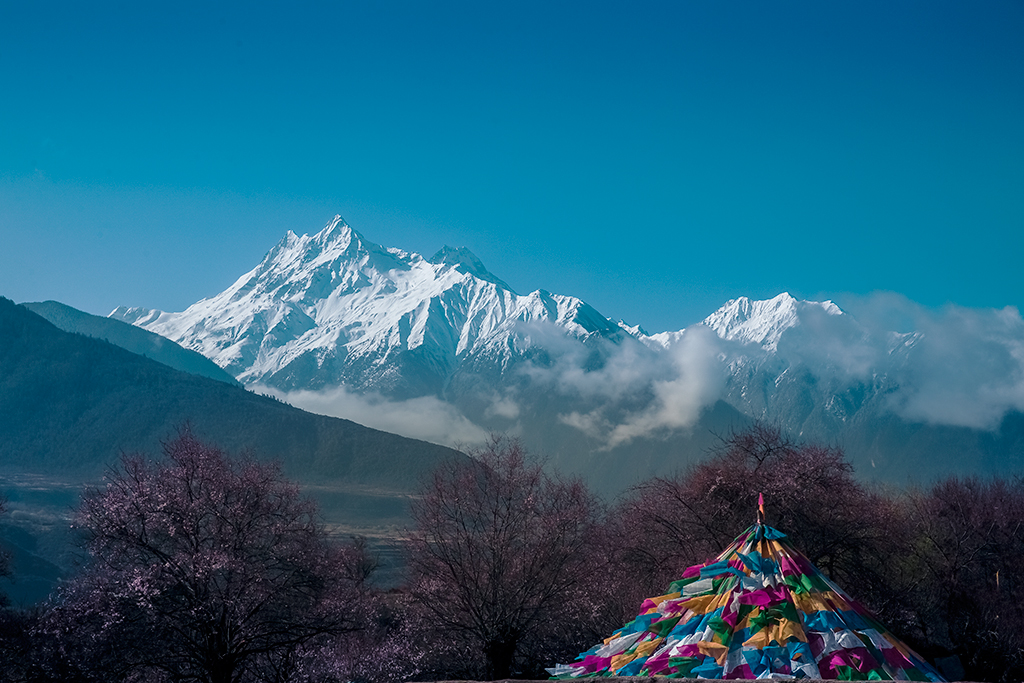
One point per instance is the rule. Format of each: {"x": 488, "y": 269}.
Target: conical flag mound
{"x": 758, "y": 610}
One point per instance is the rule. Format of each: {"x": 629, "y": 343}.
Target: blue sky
{"x": 652, "y": 158}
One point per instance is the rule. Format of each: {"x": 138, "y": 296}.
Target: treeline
{"x": 206, "y": 568}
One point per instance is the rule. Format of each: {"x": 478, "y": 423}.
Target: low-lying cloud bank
{"x": 427, "y": 418}
{"x": 962, "y": 367}
{"x": 952, "y": 366}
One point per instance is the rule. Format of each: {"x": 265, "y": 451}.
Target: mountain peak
{"x": 334, "y": 239}
{"x": 763, "y": 322}
{"x": 465, "y": 261}
{"x": 337, "y": 231}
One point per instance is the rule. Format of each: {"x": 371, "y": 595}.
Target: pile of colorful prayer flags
{"x": 758, "y": 610}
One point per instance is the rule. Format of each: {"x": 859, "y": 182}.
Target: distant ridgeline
{"x": 129, "y": 337}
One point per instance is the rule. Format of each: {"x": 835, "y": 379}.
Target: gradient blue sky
{"x": 652, "y": 158}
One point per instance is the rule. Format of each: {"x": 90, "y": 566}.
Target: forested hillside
{"x": 69, "y": 404}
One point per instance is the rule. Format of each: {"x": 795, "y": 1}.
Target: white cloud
{"x": 593, "y": 423}
{"x": 953, "y": 366}
{"x": 967, "y": 368}
{"x": 596, "y": 370}
{"x": 675, "y": 386}
{"x": 696, "y": 383}
{"x": 960, "y": 367}
{"x": 427, "y": 418}
{"x": 502, "y": 406}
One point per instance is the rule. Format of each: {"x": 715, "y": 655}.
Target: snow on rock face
{"x": 136, "y": 315}
{"x": 333, "y": 308}
{"x": 760, "y": 323}
{"x": 465, "y": 261}
{"x": 763, "y": 322}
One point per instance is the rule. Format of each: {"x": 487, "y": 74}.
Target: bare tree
{"x": 202, "y": 568}
{"x": 499, "y": 550}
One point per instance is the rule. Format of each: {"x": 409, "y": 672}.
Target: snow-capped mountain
{"x": 332, "y": 309}
{"x": 440, "y": 348}
{"x": 745, "y": 321}
{"x": 763, "y": 322}
{"x": 787, "y": 360}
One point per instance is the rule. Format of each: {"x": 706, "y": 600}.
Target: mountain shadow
{"x": 69, "y": 404}
{"x": 130, "y": 338}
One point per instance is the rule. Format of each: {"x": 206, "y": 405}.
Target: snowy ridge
{"x": 333, "y": 308}
{"x": 742, "y": 320}
{"x": 763, "y": 322}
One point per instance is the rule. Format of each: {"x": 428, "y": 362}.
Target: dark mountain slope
{"x": 129, "y": 337}
{"x": 69, "y": 404}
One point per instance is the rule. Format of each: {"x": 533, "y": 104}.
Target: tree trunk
{"x": 222, "y": 670}
{"x": 500, "y": 654}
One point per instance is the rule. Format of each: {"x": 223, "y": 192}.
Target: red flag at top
{"x": 760, "y": 508}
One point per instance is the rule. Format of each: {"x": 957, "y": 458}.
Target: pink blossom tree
{"x": 203, "y": 568}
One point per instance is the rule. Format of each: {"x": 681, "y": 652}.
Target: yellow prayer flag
{"x": 716, "y": 650}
